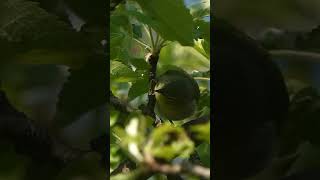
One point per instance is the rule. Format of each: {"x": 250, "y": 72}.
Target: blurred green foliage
{"x": 56, "y": 75}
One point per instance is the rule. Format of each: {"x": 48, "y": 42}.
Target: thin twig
{"x": 146, "y": 31}
{"x": 163, "y": 43}
{"x": 202, "y": 78}
{"x": 182, "y": 168}
{"x": 151, "y": 36}
{"x": 125, "y": 166}
{"x": 124, "y": 108}
{"x": 143, "y": 44}
{"x": 157, "y": 40}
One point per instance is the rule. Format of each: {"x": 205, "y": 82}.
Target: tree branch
{"x": 122, "y": 107}
{"x": 152, "y": 59}
{"x": 150, "y": 166}
{"x": 183, "y": 168}
{"x": 125, "y": 166}
{"x": 118, "y": 104}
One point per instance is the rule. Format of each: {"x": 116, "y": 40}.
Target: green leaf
{"x": 187, "y": 58}
{"x": 38, "y": 80}
{"x": 202, "y": 132}
{"x": 137, "y": 30}
{"x": 168, "y": 142}
{"x": 120, "y": 19}
{"x": 51, "y": 56}
{"x": 204, "y": 100}
{"x": 85, "y": 90}
{"x": 116, "y": 38}
{"x": 203, "y": 29}
{"x": 132, "y": 138}
{"x": 31, "y": 28}
{"x": 174, "y": 21}
{"x": 113, "y": 116}
{"x": 120, "y": 37}
{"x": 122, "y": 73}
{"x": 204, "y": 153}
{"x": 138, "y": 88}
{"x": 203, "y": 47}
{"x": 142, "y": 18}
{"x": 140, "y": 64}
{"x": 115, "y": 156}
{"x": 24, "y": 21}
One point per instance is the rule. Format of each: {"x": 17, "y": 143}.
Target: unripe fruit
{"x": 176, "y": 95}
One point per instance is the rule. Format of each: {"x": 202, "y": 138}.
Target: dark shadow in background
{"x": 250, "y": 99}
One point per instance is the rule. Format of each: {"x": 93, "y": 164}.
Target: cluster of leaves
{"x": 53, "y": 68}
{"x": 179, "y": 33}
